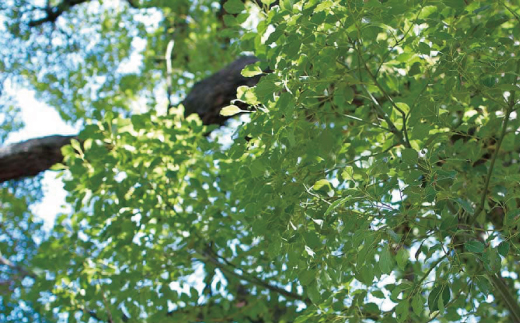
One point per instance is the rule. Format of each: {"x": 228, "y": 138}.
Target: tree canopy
{"x": 264, "y": 161}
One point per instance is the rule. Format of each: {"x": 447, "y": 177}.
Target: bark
{"x": 206, "y": 99}
{"x": 31, "y": 157}
{"x": 215, "y": 92}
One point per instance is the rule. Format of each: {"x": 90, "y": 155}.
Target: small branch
{"x": 510, "y": 299}
{"x": 253, "y": 280}
{"x": 509, "y": 109}
{"x": 393, "y": 129}
{"x": 430, "y": 270}
{"x": 53, "y": 13}
{"x": 403, "y": 114}
{"x": 360, "y": 158}
{"x": 105, "y": 302}
{"x": 367, "y": 122}
{"x": 399, "y": 134}
{"x": 25, "y": 272}
{"x": 510, "y": 10}
{"x": 397, "y": 42}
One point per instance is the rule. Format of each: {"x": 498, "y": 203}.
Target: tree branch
{"x": 206, "y": 99}
{"x": 212, "y": 258}
{"x": 507, "y": 115}
{"x": 53, "y": 13}
{"x": 24, "y": 272}
{"x": 31, "y": 157}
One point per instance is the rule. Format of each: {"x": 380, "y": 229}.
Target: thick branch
{"x": 206, "y": 99}
{"x": 31, "y": 157}
{"x": 210, "y": 95}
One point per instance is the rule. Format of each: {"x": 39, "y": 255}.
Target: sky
{"x": 40, "y": 121}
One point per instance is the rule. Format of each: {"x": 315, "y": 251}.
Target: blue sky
{"x": 41, "y": 120}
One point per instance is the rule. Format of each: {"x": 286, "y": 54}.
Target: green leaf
{"x": 440, "y": 295}
{"x": 266, "y": 88}
{"x": 348, "y": 173}
{"x": 503, "y": 248}
{"x": 386, "y": 263}
{"x": 76, "y": 145}
{"x": 394, "y": 235}
{"x": 230, "y": 110}
{"x": 402, "y": 258}
{"x": 336, "y": 204}
{"x": 234, "y": 6}
{"x": 403, "y": 106}
{"x": 348, "y": 94}
{"x": 323, "y": 6}
{"x": 424, "y": 48}
{"x": 465, "y": 205}
{"x": 378, "y": 294}
{"x": 410, "y": 156}
{"x": 474, "y": 246}
{"x": 247, "y": 95}
{"x": 307, "y": 277}
{"x": 58, "y": 166}
{"x": 251, "y": 70}
{"x": 314, "y": 294}
{"x": 483, "y": 284}
{"x": 512, "y": 218}
{"x": 492, "y": 260}
{"x": 366, "y": 275}
{"x": 415, "y": 69}
{"x": 418, "y": 304}
{"x": 138, "y": 121}
{"x": 324, "y": 186}
{"x": 421, "y": 131}
{"x": 402, "y": 310}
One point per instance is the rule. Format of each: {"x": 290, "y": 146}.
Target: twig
{"x": 511, "y": 11}
{"x": 18, "y": 268}
{"x": 253, "y": 280}
{"x": 510, "y": 299}
{"x": 397, "y": 42}
{"x": 404, "y": 140}
{"x": 403, "y": 114}
{"x": 430, "y": 270}
{"x": 360, "y": 158}
{"x": 510, "y": 107}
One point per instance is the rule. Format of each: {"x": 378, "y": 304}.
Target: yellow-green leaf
{"x": 230, "y": 110}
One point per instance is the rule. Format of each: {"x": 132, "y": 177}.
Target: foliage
{"x": 375, "y": 178}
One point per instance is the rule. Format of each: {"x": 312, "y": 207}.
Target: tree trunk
{"x": 206, "y": 99}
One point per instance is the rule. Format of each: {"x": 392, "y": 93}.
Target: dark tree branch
{"x": 31, "y": 157}
{"x": 211, "y": 257}
{"x": 53, "y": 13}
{"x": 210, "y": 95}
{"x": 206, "y": 99}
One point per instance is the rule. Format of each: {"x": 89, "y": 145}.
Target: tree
{"x": 373, "y": 177}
